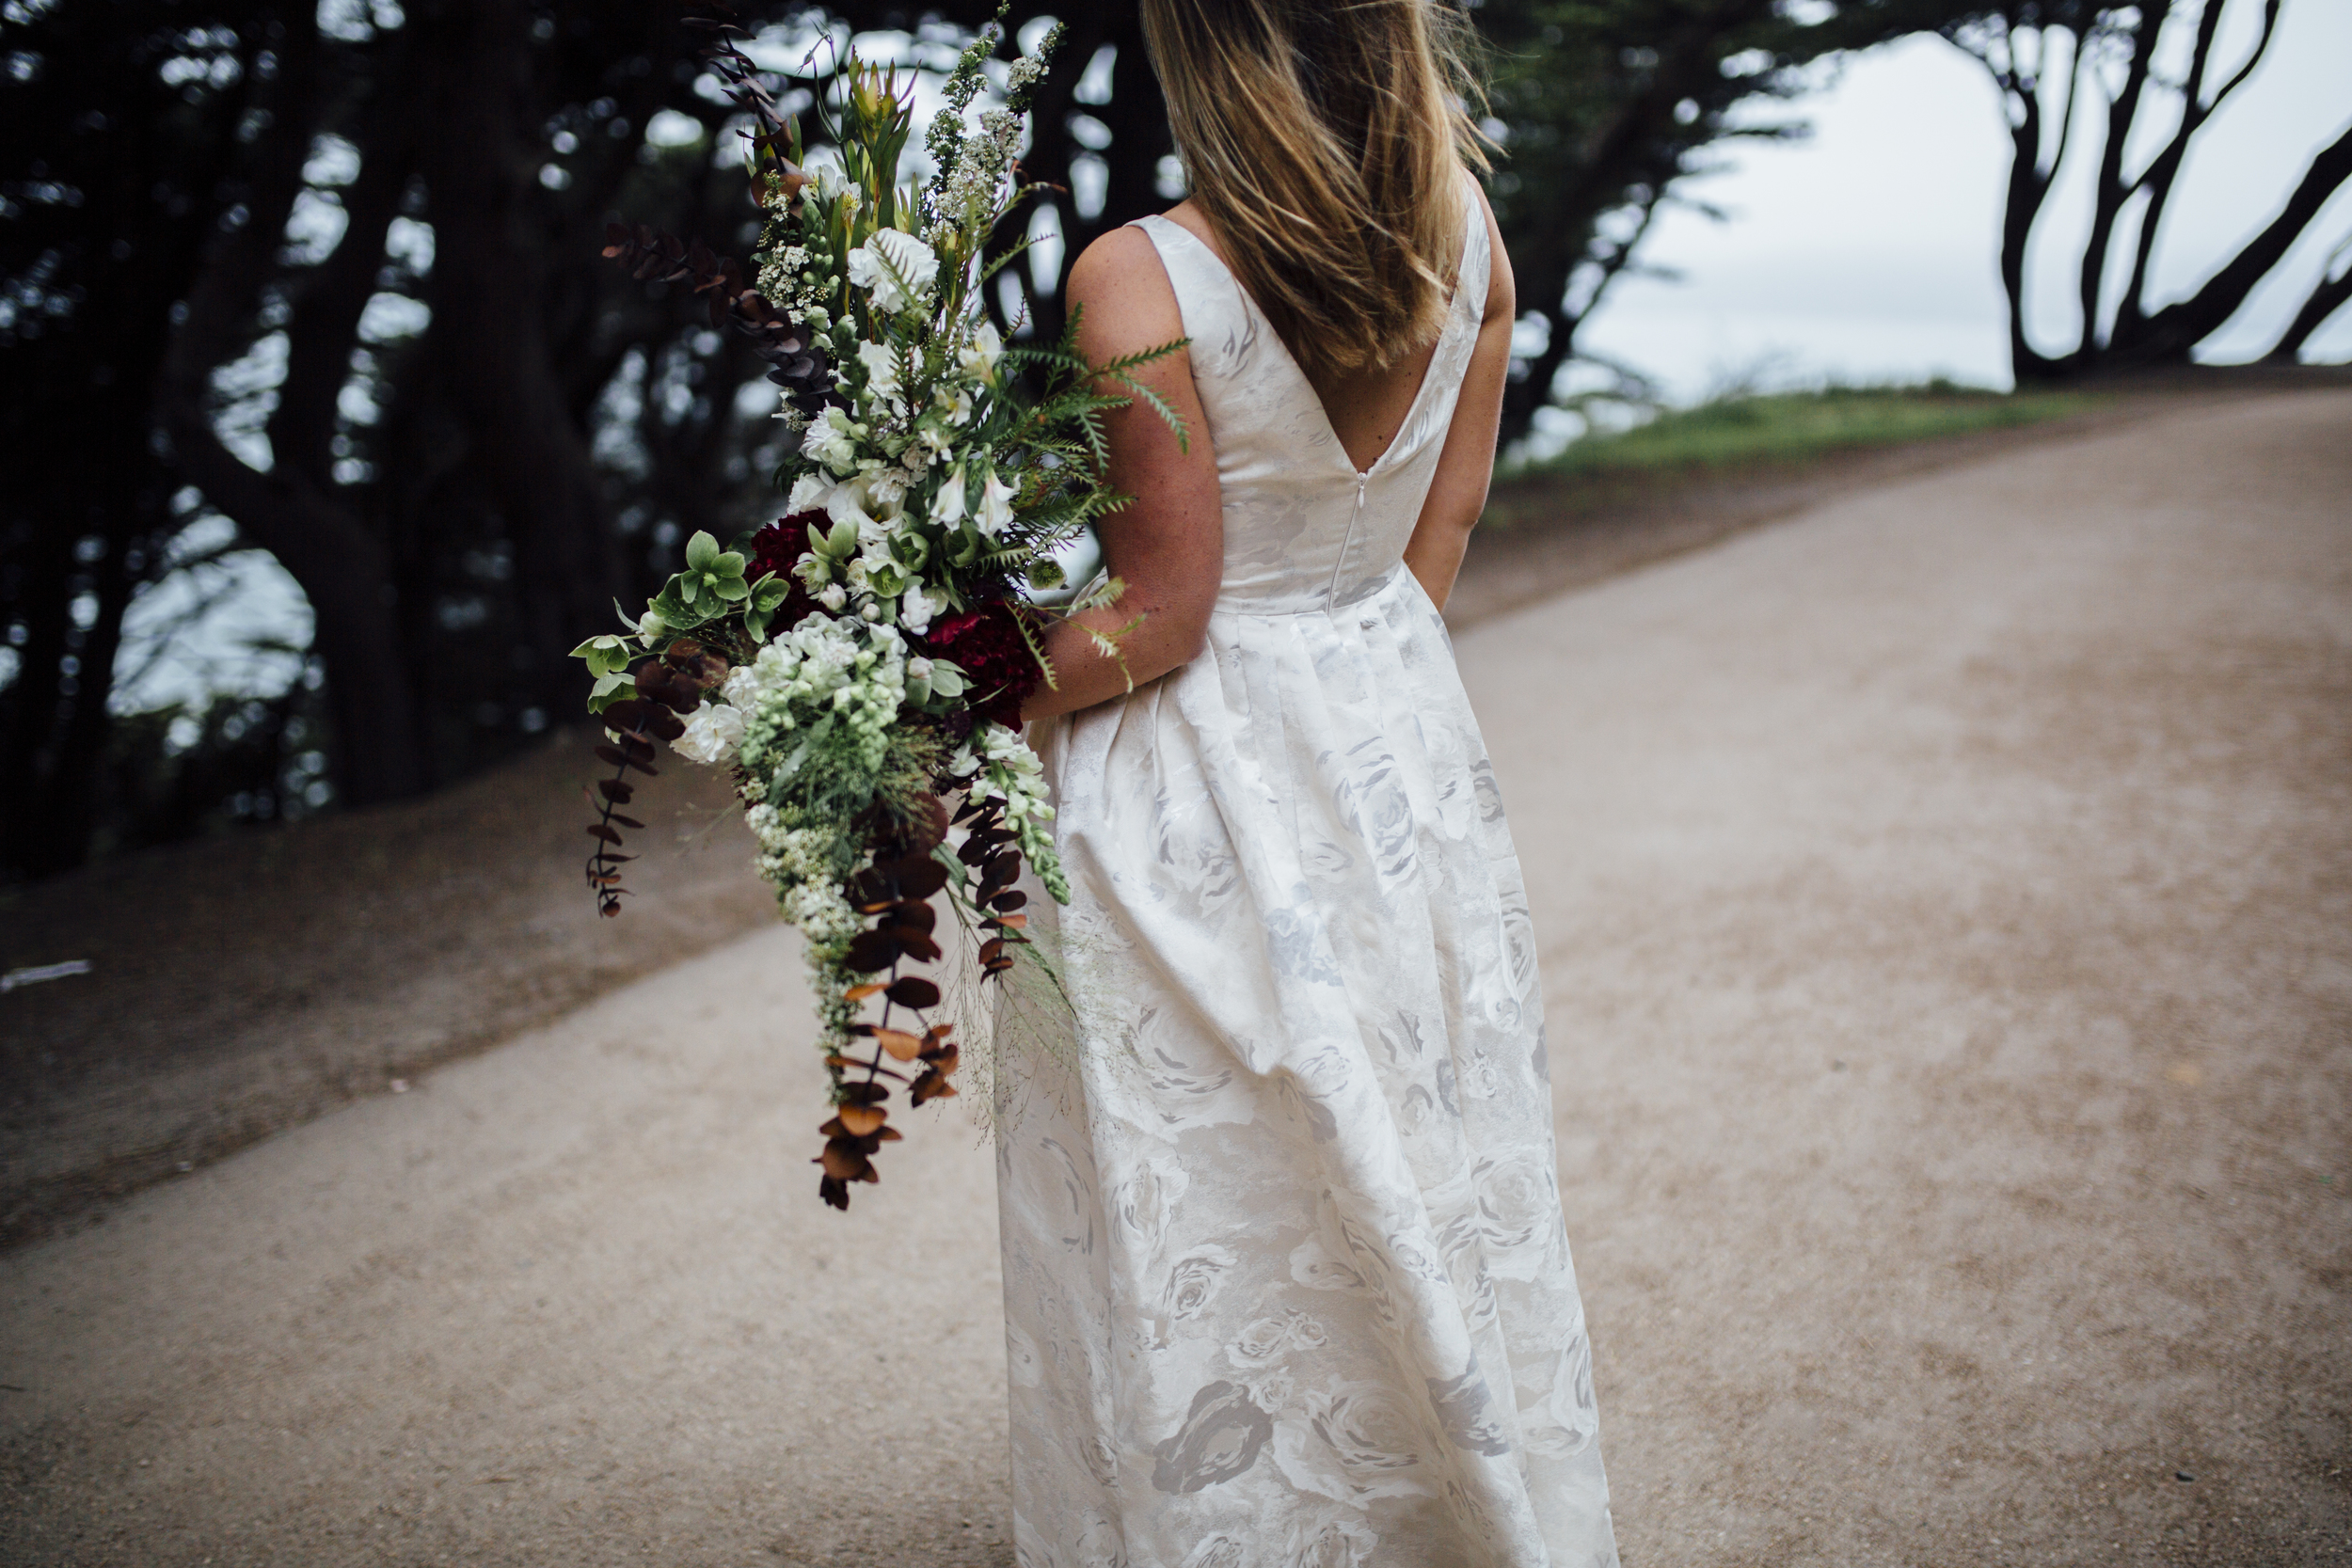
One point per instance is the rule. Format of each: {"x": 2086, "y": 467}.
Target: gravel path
{"x": 1947, "y": 899}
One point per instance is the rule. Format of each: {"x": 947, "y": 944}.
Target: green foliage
{"x": 1600, "y": 106}
{"x": 1787, "y": 426}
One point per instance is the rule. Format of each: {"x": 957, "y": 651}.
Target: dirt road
{"x": 1946, "y": 908}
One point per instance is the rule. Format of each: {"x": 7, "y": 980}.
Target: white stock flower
{"x": 995, "y": 505}
{"x": 831, "y": 441}
{"x": 896, "y": 268}
{"x": 712, "y": 734}
{"x": 808, "y": 494}
{"x": 915, "y": 611}
{"x": 742, "y": 687}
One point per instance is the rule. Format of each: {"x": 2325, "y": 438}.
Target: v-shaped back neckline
{"x": 1429, "y": 375}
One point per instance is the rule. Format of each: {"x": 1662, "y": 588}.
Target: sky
{"x": 1868, "y": 250}
{"x": 1864, "y": 252}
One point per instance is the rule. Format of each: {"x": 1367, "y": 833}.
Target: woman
{"x": 1285, "y": 1277}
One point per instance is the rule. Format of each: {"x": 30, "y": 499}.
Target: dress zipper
{"x": 1331, "y": 594}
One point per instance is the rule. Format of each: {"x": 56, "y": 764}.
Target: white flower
{"x": 896, "y": 268}
{"x": 948, "y": 506}
{"x": 995, "y": 505}
{"x": 832, "y": 598}
{"x": 831, "y": 441}
{"x": 954, "y": 402}
{"x": 1026, "y": 70}
{"x": 918, "y": 667}
{"x": 882, "y": 368}
{"x": 885, "y": 489}
{"x": 712, "y": 734}
{"x": 917, "y": 609}
{"x": 742, "y": 687}
{"x": 978, "y": 357}
{"x": 846, "y": 502}
{"x": 808, "y": 494}
{"x": 870, "y": 610}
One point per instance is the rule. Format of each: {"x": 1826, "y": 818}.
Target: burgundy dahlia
{"x": 986, "y": 643}
{"x": 775, "y": 549}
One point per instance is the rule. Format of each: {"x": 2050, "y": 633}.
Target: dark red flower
{"x": 986, "y": 643}
{"x": 775, "y": 547}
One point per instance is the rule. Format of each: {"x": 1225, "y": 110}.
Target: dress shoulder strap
{"x": 1478, "y": 259}
{"x": 1219, "y": 316}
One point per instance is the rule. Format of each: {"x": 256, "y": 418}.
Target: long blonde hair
{"x": 1325, "y": 141}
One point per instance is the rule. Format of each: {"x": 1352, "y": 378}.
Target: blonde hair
{"x": 1324, "y": 140}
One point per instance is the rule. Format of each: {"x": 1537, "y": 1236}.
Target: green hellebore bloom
{"x": 767, "y": 596}
{"x": 711, "y": 569}
{"x": 606, "y": 655}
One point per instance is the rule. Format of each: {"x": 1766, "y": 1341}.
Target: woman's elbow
{"x": 1188, "y": 636}
{"x": 1178, "y": 631}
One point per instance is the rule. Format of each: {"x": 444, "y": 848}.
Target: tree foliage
{"x": 327, "y": 273}
{"x": 475, "y": 435}
{"x": 1601, "y": 105}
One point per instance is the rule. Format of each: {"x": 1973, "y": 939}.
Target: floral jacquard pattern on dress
{"x": 1286, "y": 1283}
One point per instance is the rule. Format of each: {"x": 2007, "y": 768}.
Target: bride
{"x": 1286, "y": 1284}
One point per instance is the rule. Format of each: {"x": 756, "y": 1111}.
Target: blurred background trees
{"x": 312, "y": 286}
{"x": 2132, "y": 87}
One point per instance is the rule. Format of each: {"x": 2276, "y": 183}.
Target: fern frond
{"x": 1107, "y": 644}
{"x": 1159, "y": 405}
{"x": 1101, "y": 594}
{"x": 991, "y": 269}
{"x": 1037, "y": 651}
{"x": 1141, "y": 357}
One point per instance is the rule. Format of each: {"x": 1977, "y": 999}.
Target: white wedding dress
{"x": 1286, "y": 1284}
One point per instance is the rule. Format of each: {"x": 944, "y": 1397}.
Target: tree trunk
{"x": 481, "y": 164}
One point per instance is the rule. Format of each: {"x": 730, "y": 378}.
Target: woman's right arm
{"x": 1458, "y": 492}
{"x": 1168, "y": 545}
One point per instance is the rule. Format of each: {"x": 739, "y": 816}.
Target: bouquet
{"x": 861, "y": 663}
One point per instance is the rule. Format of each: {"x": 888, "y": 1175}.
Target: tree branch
{"x": 2111, "y": 191}
{"x": 2131, "y": 313}
{"x": 2171, "y": 332}
{"x": 2327, "y": 296}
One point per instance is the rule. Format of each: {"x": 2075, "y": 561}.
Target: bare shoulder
{"x": 1129, "y": 303}
{"x": 1501, "y": 288}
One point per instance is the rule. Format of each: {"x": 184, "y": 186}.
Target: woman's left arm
{"x": 1459, "y": 493}
{"x": 1168, "y": 545}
